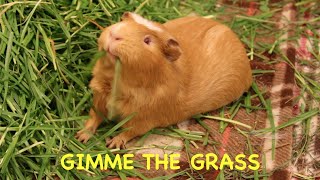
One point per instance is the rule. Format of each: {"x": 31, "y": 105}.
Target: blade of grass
{"x": 225, "y": 120}
{"x": 9, "y": 152}
{"x": 292, "y": 121}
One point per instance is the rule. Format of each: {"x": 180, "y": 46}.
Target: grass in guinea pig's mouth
{"x": 115, "y": 89}
{"x": 47, "y": 52}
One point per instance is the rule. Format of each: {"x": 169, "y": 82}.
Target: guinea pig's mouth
{"x": 111, "y": 55}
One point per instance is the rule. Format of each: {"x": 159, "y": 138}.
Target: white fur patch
{"x": 145, "y": 22}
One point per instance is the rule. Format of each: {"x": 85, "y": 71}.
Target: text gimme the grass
{"x": 169, "y": 161}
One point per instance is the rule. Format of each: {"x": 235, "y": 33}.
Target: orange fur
{"x": 193, "y": 65}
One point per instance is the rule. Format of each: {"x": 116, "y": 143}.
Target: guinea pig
{"x": 170, "y": 72}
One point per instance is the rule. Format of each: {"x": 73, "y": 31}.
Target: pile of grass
{"x": 47, "y": 50}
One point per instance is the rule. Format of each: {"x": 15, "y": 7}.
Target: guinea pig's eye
{"x": 147, "y": 40}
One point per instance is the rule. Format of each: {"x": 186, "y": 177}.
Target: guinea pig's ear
{"x": 172, "y": 50}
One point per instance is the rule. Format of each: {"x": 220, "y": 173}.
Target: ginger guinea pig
{"x": 170, "y": 72}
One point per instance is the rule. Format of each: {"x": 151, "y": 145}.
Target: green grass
{"x": 47, "y": 51}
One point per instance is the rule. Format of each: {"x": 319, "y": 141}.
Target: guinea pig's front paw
{"x": 116, "y": 142}
{"x": 83, "y": 135}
